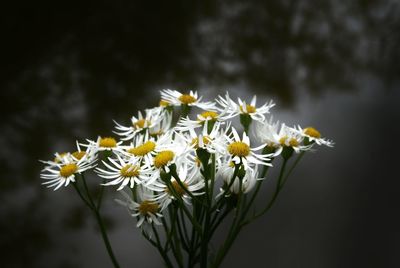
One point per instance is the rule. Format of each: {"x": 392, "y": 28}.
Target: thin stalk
{"x": 273, "y": 199}
{"x": 101, "y": 225}
{"x": 158, "y": 246}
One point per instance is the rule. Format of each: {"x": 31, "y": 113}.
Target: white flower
{"x": 209, "y": 116}
{"x": 104, "y": 144}
{"x": 211, "y": 140}
{"x": 241, "y": 153}
{"x": 314, "y": 135}
{"x": 57, "y": 175}
{"x": 143, "y": 146}
{"x": 233, "y": 109}
{"x": 189, "y": 182}
{"x": 176, "y": 98}
{"x": 162, "y": 126}
{"x": 124, "y": 172}
{"x": 151, "y": 119}
{"x": 169, "y": 149}
{"x": 278, "y": 136}
{"x": 290, "y": 137}
{"x": 145, "y": 209}
{"x": 248, "y": 182}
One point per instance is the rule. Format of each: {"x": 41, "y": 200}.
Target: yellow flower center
{"x": 68, "y": 170}
{"x": 312, "y": 132}
{"x": 141, "y": 123}
{"x": 239, "y": 148}
{"x": 147, "y": 207}
{"x": 293, "y": 142}
{"x": 195, "y": 141}
{"x": 163, "y": 103}
{"x": 249, "y": 109}
{"x": 59, "y": 157}
{"x": 209, "y": 114}
{"x": 130, "y": 171}
{"x": 186, "y": 99}
{"x": 143, "y": 149}
{"x": 78, "y": 155}
{"x": 178, "y": 189}
{"x": 282, "y": 140}
{"x": 162, "y": 158}
{"x": 108, "y": 142}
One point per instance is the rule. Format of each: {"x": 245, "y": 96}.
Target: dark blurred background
{"x": 69, "y": 68}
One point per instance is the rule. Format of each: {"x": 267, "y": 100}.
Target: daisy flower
{"x": 124, "y": 172}
{"x": 162, "y": 125}
{"x": 59, "y": 158}
{"x": 146, "y": 147}
{"x": 89, "y": 155}
{"x": 290, "y": 137}
{"x": 241, "y": 153}
{"x": 314, "y": 135}
{"x": 145, "y": 209}
{"x": 108, "y": 144}
{"x": 270, "y": 134}
{"x": 64, "y": 173}
{"x": 176, "y": 98}
{"x": 213, "y": 141}
{"x": 242, "y": 108}
{"x": 170, "y": 149}
{"x": 207, "y": 116}
{"x": 189, "y": 182}
{"x": 151, "y": 119}
{"x": 248, "y": 182}
{"x": 278, "y": 136}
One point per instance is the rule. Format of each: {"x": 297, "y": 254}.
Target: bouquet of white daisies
{"x": 182, "y": 177}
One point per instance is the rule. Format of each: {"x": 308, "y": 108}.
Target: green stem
{"x": 274, "y": 197}
{"x": 233, "y": 231}
{"x": 101, "y": 225}
{"x": 158, "y": 246}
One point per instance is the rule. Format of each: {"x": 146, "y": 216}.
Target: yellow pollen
{"x": 195, "y": 141}
{"x": 162, "y": 158}
{"x": 211, "y": 114}
{"x": 141, "y": 123}
{"x": 249, "y": 109}
{"x": 78, "y": 155}
{"x": 312, "y": 132}
{"x": 293, "y": 142}
{"x": 163, "y": 103}
{"x": 58, "y": 158}
{"x": 239, "y": 148}
{"x": 108, "y": 142}
{"x": 147, "y": 207}
{"x": 143, "y": 149}
{"x": 68, "y": 170}
{"x": 178, "y": 189}
{"x": 282, "y": 140}
{"x": 186, "y": 99}
{"x": 130, "y": 171}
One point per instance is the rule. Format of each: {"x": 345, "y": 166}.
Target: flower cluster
{"x": 197, "y": 170}
{"x": 161, "y": 163}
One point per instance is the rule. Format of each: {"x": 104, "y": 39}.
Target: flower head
{"x": 191, "y": 99}
{"x": 124, "y": 172}
{"x": 233, "y": 109}
{"x": 240, "y": 151}
{"x": 145, "y": 208}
